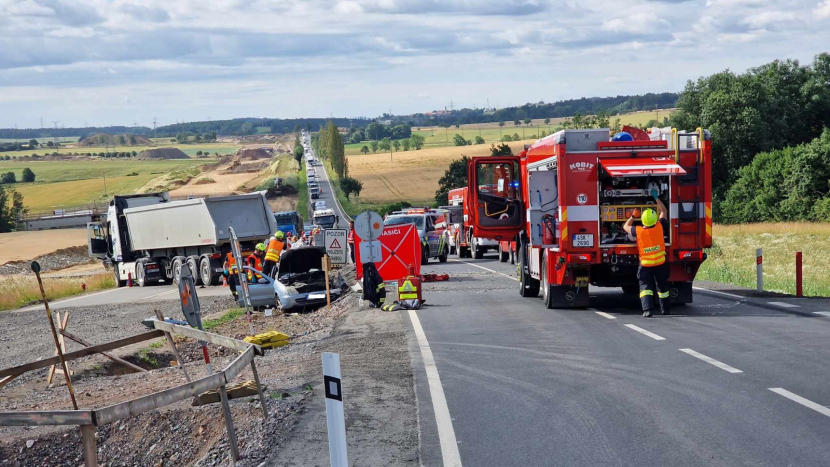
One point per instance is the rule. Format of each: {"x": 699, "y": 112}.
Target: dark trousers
{"x": 232, "y": 283}
{"x": 649, "y": 277}
{"x": 351, "y": 251}
{"x": 267, "y": 267}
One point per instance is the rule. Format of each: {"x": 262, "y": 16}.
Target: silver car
{"x": 300, "y": 283}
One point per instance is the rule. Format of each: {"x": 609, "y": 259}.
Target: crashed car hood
{"x": 302, "y": 259}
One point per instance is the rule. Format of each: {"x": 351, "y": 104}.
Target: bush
{"x": 516, "y": 137}
{"x": 8, "y": 177}
{"x": 132, "y": 174}
{"x": 459, "y": 140}
{"x": 28, "y": 175}
{"x": 350, "y": 185}
{"x": 479, "y": 140}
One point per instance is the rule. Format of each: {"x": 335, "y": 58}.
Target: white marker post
{"x": 335, "y": 418}
{"x": 759, "y": 269}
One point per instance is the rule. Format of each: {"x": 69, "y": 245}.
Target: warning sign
{"x": 335, "y": 241}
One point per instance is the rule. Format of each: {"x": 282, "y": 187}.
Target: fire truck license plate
{"x": 583, "y": 241}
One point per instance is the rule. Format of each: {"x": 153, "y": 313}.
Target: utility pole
{"x": 105, "y": 184}
{"x": 41, "y": 123}
{"x": 55, "y": 136}
{"x": 154, "y": 126}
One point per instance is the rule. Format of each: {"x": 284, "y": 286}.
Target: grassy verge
{"x": 229, "y": 316}
{"x": 732, "y": 257}
{"x": 18, "y": 291}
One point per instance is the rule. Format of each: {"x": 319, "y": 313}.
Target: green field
{"x": 60, "y": 139}
{"x": 492, "y": 133}
{"x": 189, "y": 149}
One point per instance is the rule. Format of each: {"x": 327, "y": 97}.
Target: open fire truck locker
{"x": 149, "y": 237}
{"x": 565, "y": 198}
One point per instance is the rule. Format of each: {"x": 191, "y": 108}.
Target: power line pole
{"x": 154, "y": 126}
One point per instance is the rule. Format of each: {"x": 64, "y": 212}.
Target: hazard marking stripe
{"x": 335, "y": 244}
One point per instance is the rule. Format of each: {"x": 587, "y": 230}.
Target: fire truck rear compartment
{"x": 619, "y": 197}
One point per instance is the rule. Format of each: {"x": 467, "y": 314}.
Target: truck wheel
{"x": 460, "y": 251}
{"x": 177, "y": 269}
{"x": 193, "y": 264}
{"x": 631, "y": 289}
{"x": 478, "y": 250}
{"x": 116, "y": 277}
{"x": 206, "y": 271}
{"x": 503, "y": 255}
{"x": 546, "y": 292}
{"x": 528, "y": 286}
{"x": 140, "y": 275}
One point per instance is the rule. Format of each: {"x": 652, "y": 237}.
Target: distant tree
{"x": 122, "y": 140}
{"x": 298, "y": 153}
{"x": 308, "y": 127}
{"x": 516, "y": 137}
{"x": 198, "y": 153}
{"x": 547, "y": 121}
{"x": 500, "y": 150}
{"x": 135, "y": 153}
{"x": 417, "y": 141}
{"x": 517, "y": 122}
{"x": 181, "y": 138}
{"x": 198, "y": 138}
{"x": 7, "y": 178}
{"x": 526, "y": 121}
{"x": 132, "y": 139}
{"x": 459, "y": 140}
{"x": 350, "y": 185}
{"x": 364, "y": 149}
{"x": 28, "y": 175}
{"x": 33, "y": 143}
{"x": 385, "y": 145}
{"x": 297, "y": 128}
{"x": 50, "y": 144}
{"x": 374, "y": 145}
{"x": 479, "y": 140}
{"x": 11, "y": 208}
{"x": 454, "y": 177}
{"x": 397, "y": 145}
{"x": 405, "y": 144}
{"x": 457, "y": 125}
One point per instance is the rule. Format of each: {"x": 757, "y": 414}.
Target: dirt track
{"x": 21, "y": 246}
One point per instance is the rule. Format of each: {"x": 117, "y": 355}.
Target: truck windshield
{"x": 285, "y": 219}
{"x": 324, "y": 220}
{"x": 395, "y": 220}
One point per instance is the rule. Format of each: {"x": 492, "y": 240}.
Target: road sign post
{"x": 799, "y": 291}
{"x": 337, "y": 242}
{"x": 759, "y": 269}
{"x": 368, "y": 225}
{"x": 335, "y": 418}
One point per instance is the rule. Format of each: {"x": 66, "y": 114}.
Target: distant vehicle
{"x": 326, "y": 218}
{"x": 149, "y": 237}
{"x": 462, "y": 241}
{"x": 432, "y": 230}
{"x": 289, "y": 222}
{"x": 314, "y": 191}
{"x": 319, "y": 205}
{"x": 307, "y": 228}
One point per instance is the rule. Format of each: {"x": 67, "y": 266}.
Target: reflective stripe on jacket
{"x": 232, "y": 264}
{"x": 275, "y": 248}
{"x": 256, "y": 263}
{"x": 651, "y": 245}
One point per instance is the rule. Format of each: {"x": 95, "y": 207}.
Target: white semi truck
{"x": 149, "y": 237}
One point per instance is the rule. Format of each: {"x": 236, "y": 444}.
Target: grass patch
{"x": 732, "y": 257}
{"x": 229, "y": 316}
{"x": 204, "y": 181}
{"x": 157, "y": 345}
{"x": 150, "y": 360}
{"x": 17, "y": 291}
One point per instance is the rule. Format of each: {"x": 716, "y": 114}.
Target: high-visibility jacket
{"x": 350, "y": 238}
{"x": 256, "y": 263}
{"x": 274, "y": 250}
{"x": 651, "y": 245}
{"x": 232, "y": 264}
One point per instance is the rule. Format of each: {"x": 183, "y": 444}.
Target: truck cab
{"x": 463, "y": 241}
{"x": 289, "y": 222}
{"x": 326, "y": 219}
{"x": 566, "y": 197}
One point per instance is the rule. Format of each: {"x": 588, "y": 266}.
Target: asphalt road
{"x": 725, "y": 381}
{"x": 327, "y": 195}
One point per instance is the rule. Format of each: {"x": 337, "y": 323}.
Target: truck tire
{"x": 206, "y": 274}
{"x": 528, "y": 286}
{"x": 460, "y": 251}
{"x": 193, "y": 264}
{"x": 116, "y": 277}
{"x": 547, "y": 296}
{"x": 140, "y": 275}
{"x": 177, "y": 269}
{"x": 503, "y": 255}
{"x": 477, "y": 250}
{"x": 631, "y": 289}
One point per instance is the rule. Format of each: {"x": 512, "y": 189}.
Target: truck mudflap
{"x": 680, "y": 292}
{"x": 568, "y": 296}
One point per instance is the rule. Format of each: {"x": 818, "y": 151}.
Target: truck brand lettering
{"x": 581, "y": 166}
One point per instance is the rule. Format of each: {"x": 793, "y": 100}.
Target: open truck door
{"x": 495, "y": 191}
{"x": 97, "y": 241}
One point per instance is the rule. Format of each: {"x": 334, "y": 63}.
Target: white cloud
{"x": 638, "y": 23}
{"x": 822, "y": 10}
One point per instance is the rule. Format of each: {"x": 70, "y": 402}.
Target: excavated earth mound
{"x": 162, "y": 153}
{"x": 251, "y": 154}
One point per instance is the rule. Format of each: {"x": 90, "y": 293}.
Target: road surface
{"x": 327, "y": 194}
{"x": 725, "y": 381}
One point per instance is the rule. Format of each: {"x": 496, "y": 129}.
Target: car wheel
{"x": 278, "y": 308}
{"x": 528, "y": 286}
{"x": 444, "y": 255}
{"x": 546, "y": 292}
{"x": 460, "y": 251}
{"x": 140, "y": 276}
{"x": 424, "y": 255}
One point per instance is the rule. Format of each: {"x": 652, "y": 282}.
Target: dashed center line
{"x": 805, "y": 402}
{"x": 605, "y": 315}
{"x": 486, "y": 269}
{"x": 710, "y": 360}
{"x": 822, "y": 313}
{"x": 644, "y": 332}
{"x": 784, "y": 305}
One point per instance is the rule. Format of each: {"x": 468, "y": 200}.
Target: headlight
{"x": 291, "y": 291}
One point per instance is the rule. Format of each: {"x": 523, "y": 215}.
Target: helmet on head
{"x": 260, "y": 246}
{"x": 649, "y": 217}
{"x": 279, "y": 235}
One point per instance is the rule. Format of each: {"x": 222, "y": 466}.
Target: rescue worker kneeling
{"x": 255, "y": 261}
{"x": 651, "y": 246}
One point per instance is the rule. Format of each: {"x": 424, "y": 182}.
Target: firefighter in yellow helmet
{"x": 273, "y": 252}
{"x": 651, "y": 246}
{"x": 255, "y": 261}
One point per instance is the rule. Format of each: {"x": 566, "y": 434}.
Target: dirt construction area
{"x": 22, "y": 246}
{"x": 379, "y": 399}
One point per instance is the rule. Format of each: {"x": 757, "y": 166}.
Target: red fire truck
{"x": 463, "y": 243}
{"x": 565, "y": 199}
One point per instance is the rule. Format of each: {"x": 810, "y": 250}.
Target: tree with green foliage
{"x": 11, "y": 208}
{"x": 50, "y": 144}
{"x": 500, "y": 150}
{"x": 33, "y": 143}
{"x": 8, "y": 178}
{"x": 517, "y": 122}
{"x": 417, "y": 141}
{"x": 197, "y": 138}
{"x": 28, "y": 175}
{"x": 332, "y": 148}
{"x": 405, "y": 144}
{"x": 526, "y": 121}
{"x": 397, "y": 145}
{"x": 479, "y": 140}
{"x": 516, "y": 137}
{"x": 375, "y": 146}
{"x": 299, "y": 151}
{"x": 351, "y": 185}
{"x": 385, "y": 145}
{"x": 454, "y": 177}
{"x": 459, "y": 140}
{"x": 364, "y": 149}
{"x": 122, "y": 140}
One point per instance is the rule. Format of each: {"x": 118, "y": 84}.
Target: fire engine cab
{"x": 463, "y": 243}
{"x": 565, "y": 198}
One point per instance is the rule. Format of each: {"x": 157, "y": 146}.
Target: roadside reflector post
{"x": 799, "y": 292}
{"x": 328, "y": 291}
{"x": 335, "y": 419}
{"x": 759, "y": 269}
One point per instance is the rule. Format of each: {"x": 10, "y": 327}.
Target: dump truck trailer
{"x": 148, "y": 237}
{"x": 564, "y": 201}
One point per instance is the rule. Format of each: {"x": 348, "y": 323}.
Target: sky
{"x": 116, "y": 62}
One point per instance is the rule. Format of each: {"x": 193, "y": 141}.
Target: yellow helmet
{"x": 261, "y": 247}
{"x": 279, "y": 235}
{"x": 649, "y": 217}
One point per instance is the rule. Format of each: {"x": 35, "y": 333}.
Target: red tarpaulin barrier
{"x": 400, "y": 247}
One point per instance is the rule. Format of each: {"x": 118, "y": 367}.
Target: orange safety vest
{"x": 257, "y": 265}
{"x": 651, "y": 245}
{"x": 274, "y": 250}
{"x": 232, "y": 264}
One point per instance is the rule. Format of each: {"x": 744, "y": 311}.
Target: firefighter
{"x": 651, "y": 245}
{"x": 255, "y": 261}
{"x": 272, "y": 254}
{"x": 231, "y": 272}
{"x": 350, "y": 240}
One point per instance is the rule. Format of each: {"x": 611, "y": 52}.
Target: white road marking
{"x": 784, "y": 305}
{"x": 720, "y": 293}
{"x": 486, "y": 269}
{"x": 446, "y": 434}
{"x": 158, "y": 294}
{"x": 822, "y": 313}
{"x": 647, "y": 333}
{"x": 712, "y": 361}
{"x": 605, "y": 315}
{"x": 61, "y": 302}
{"x": 805, "y": 402}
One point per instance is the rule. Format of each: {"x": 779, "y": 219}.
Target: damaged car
{"x": 300, "y": 282}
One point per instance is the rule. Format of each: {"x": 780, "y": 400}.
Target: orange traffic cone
{"x": 129, "y": 279}
{"x": 224, "y": 281}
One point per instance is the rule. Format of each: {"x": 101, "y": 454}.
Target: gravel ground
{"x": 59, "y": 259}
